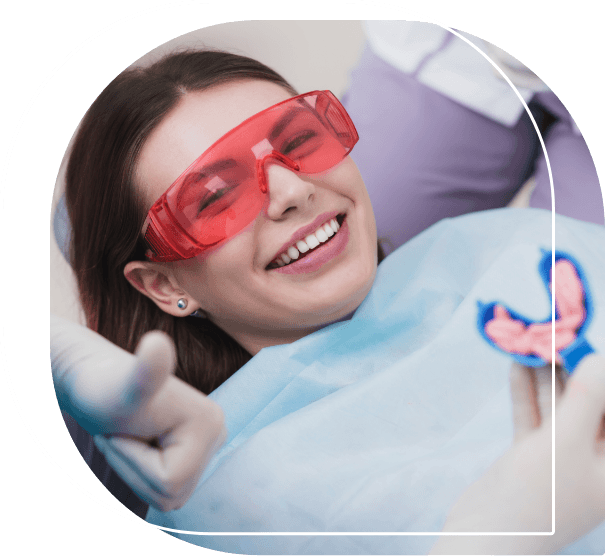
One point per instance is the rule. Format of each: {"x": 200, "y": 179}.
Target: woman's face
{"x": 236, "y": 284}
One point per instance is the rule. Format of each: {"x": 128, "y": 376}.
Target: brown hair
{"x": 107, "y": 216}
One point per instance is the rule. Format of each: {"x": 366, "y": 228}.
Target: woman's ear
{"x": 158, "y": 284}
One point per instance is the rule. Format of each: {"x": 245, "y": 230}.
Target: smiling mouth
{"x": 299, "y": 250}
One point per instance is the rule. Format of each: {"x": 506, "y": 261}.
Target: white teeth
{"x": 302, "y": 246}
{"x": 321, "y": 235}
{"x": 312, "y": 241}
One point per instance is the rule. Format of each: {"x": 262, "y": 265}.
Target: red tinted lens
{"x": 219, "y": 194}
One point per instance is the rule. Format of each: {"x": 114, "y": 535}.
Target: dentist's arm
{"x": 154, "y": 430}
{"x": 515, "y": 493}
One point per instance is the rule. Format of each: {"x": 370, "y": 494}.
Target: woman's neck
{"x": 253, "y": 339}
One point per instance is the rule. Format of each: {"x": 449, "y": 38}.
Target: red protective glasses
{"x": 225, "y": 188}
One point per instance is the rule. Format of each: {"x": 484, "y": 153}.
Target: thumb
{"x": 155, "y": 361}
{"x": 583, "y": 404}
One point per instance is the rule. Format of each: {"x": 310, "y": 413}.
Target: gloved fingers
{"x": 140, "y": 465}
{"x": 188, "y": 427}
{"x": 111, "y": 389}
{"x": 97, "y": 382}
{"x": 601, "y": 439}
{"x": 87, "y": 369}
{"x": 543, "y": 379}
{"x": 526, "y": 413}
{"x": 164, "y": 476}
{"x": 186, "y": 453}
{"x": 583, "y": 405}
{"x": 544, "y": 389}
{"x": 76, "y": 349}
{"x": 531, "y": 390}
{"x": 195, "y": 435}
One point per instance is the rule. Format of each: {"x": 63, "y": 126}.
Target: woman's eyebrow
{"x": 281, "y": 124}
{"x": 223, "y": 164}
{"x": 193, "y": 177}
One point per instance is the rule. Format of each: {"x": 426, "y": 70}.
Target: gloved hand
{"x": 160, "y": 432}
{"x": 532, "y": 396}
{"x": 515, "y": 493}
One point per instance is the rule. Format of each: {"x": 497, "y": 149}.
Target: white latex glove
{"x": 531, "y": 392}
{"x": 515, "y": 493}
{"x": 162, "y": 432}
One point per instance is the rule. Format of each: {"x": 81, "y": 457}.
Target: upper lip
{"x": 303, "y": 232}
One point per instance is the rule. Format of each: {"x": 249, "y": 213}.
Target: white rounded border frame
{"x": 232, "y": 533}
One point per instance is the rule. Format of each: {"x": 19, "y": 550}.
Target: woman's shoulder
{"x": 497, "y": 228}
{"x": 454, "y": 253}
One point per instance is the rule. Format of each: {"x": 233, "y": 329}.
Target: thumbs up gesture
{"x": 155, "y": 431}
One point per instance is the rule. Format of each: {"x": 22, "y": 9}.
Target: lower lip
{"x": 320, "y": 255}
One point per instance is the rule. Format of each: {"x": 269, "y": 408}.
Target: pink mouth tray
{"x": 530, "y": 342}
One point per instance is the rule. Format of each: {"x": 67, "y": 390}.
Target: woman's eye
{"x": 298, "y": 141}
{"x": 212, "y": 198}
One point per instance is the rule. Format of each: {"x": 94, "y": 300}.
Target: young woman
{"x": 211, "y": 202}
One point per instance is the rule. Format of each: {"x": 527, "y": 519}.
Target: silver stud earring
{"x": 182, "y": 303}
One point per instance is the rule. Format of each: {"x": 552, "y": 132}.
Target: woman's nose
{"x": 288, "y": 191}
